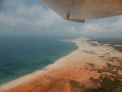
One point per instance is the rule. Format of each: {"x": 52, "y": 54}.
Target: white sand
{"x": 86, "y": 53}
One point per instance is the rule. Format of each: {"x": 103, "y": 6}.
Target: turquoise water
{"x": 23, "y": 55}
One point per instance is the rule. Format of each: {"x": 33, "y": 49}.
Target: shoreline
{"x": 28, "y": 77}
{"x": 89, "y": 55}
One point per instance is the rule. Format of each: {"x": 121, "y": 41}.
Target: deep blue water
{"x": 23, "y": 55}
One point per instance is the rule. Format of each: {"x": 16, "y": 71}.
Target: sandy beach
{"x": 83, "y": 67}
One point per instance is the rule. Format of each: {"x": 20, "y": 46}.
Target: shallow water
{"x": 112, "y": 42}
{"x": 23, "y": 55}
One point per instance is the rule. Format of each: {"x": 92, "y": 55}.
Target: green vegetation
{"x": 108, "y": 84}
{"x": 118, "y": 48}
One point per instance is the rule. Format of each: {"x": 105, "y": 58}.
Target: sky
{"x": 33, "y": 17}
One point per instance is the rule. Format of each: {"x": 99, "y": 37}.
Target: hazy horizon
{"x": 33, "y": 18}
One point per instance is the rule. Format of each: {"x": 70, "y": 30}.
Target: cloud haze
{"x": 31, "y": 17}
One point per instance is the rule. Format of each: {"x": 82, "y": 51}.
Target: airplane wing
{"x": 81, "y": 10}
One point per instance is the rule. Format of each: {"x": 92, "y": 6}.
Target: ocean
{"x": 23, "y": 55}
{"x": 116, "y": 43}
